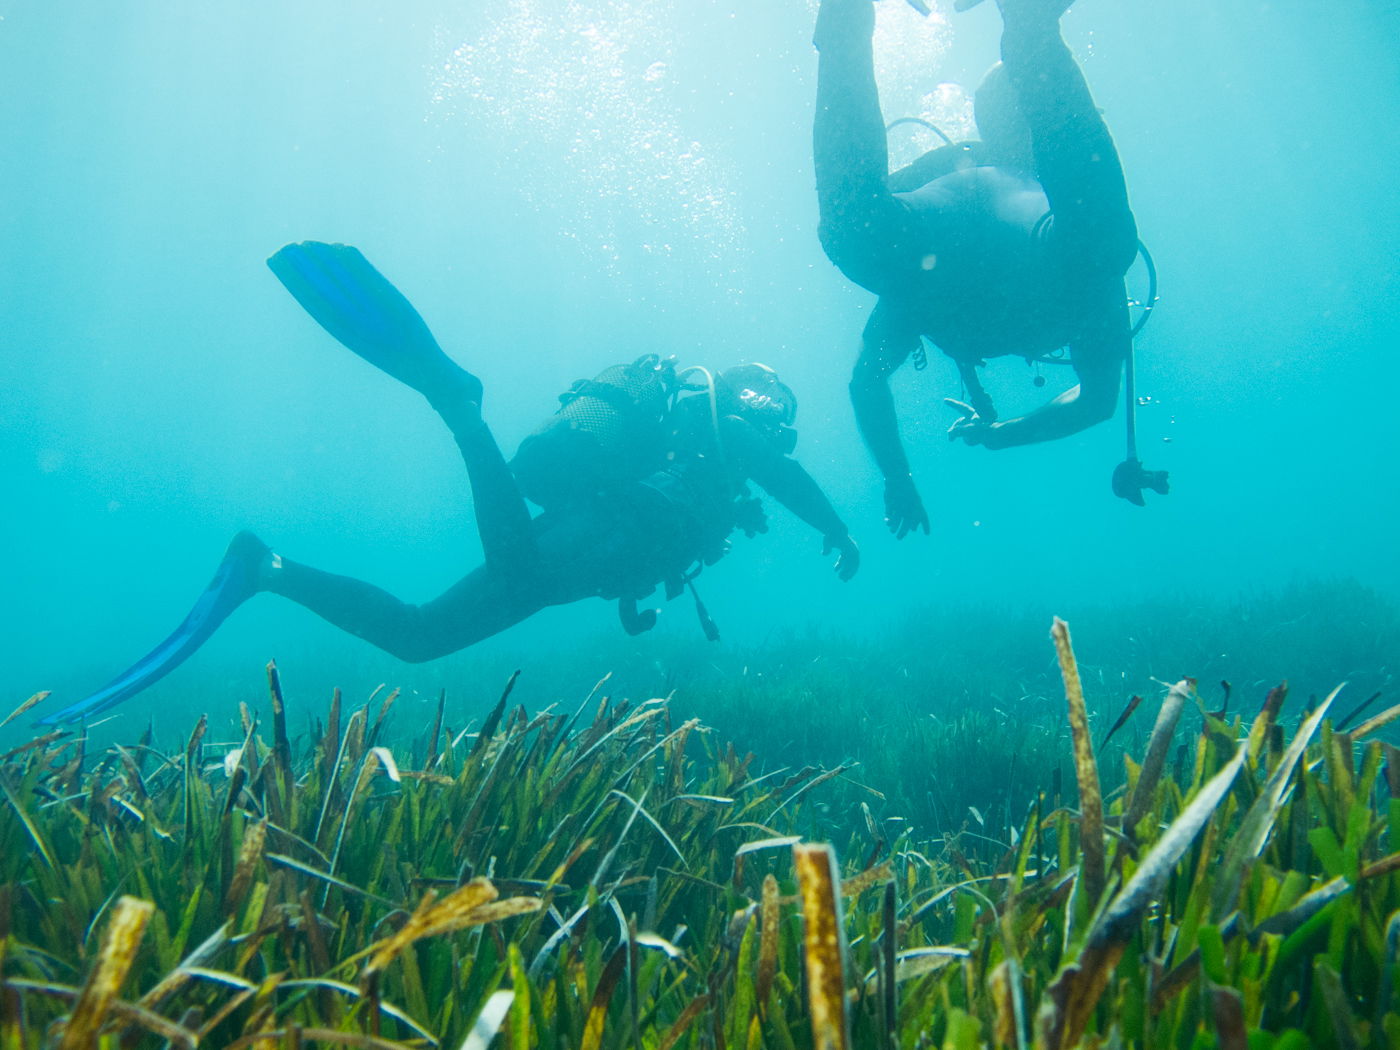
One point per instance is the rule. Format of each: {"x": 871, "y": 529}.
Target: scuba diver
{"x": 641, "y": 474}
{"x": 1014, "y": 245}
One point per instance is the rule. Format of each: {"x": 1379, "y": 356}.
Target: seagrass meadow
{"x": 615, "y": 873}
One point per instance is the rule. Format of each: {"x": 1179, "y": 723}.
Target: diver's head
{"x": 759, "y": 395}
{"x": 756, "y": 394}
{"x": 1000, "y": 124}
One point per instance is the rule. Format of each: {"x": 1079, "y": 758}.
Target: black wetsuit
{"x": 984, "y": 261}
{"x": 620, "y": 544}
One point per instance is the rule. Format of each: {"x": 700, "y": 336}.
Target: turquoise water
{"x": 559, "y": 186}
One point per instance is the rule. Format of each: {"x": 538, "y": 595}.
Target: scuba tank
{"x": 607, "y": 432}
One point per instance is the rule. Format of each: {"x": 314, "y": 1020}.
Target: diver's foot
{"x": 249, "y": 564}
{"x": 842, "y": 20}
{"x": 457, "y": 394}
{"x": 465, "y": 386}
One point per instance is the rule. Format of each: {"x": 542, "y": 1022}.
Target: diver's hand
{"x": 971, "y": 427}
{"x": 848, "y": 558}
{"x": 904, "y": 510}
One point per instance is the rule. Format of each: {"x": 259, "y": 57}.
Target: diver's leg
{"x": 863, "y": 228}
{"x": 502, "y": 518}
{"x": 1076, "y": 160}
{"x": 481, "y": 604}
{"x": 583, "y": 553}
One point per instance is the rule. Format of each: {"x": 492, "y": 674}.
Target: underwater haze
{"x": 561, "y": 185}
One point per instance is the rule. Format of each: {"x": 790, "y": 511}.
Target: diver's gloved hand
{"x": 971, "y": 427}
{"x": 749, "y": 516}
{"x": 904, "y": 510}
{"x": 848, "y": 559}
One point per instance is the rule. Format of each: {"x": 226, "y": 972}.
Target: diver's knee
{"x": 413, "y": 654}
{"x": 426, "y": 652}
{"x": 418, "y": 642}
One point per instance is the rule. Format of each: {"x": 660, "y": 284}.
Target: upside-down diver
{"x": 1016, "y": 244}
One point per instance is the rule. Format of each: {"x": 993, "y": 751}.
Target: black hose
{"x": 922, "y": 123}
{"x": 1151, "y": 300}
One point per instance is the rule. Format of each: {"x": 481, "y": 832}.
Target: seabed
{"x": 613, "y": 874}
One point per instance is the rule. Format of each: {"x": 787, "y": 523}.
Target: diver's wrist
{"x": 997, "y": 436}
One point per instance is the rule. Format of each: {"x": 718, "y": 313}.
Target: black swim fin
{"x": 234, "y": 582}
{"x": 359, "y": 306}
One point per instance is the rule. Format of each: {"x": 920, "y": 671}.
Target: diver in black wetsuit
{"x": 618, "y": 536}
{"x": 1017, "y": 244}
{"x": 620, "y": 544}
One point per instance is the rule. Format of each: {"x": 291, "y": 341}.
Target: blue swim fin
{"x": 234, "y": 582}
{"x": 358, "y": 305}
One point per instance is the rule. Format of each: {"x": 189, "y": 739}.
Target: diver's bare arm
{"x": 1098, "y": 361}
